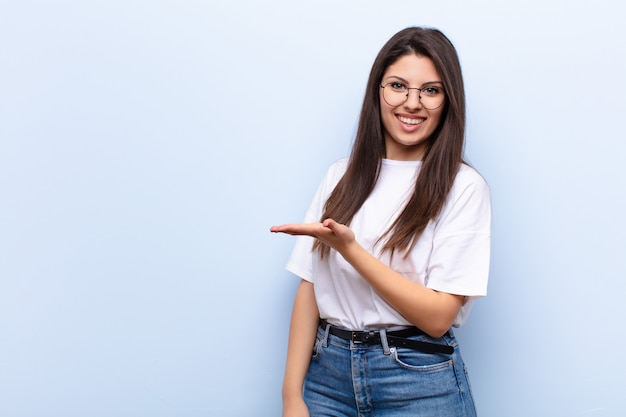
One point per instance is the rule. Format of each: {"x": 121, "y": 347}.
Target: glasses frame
{"x": 408, "y": 91}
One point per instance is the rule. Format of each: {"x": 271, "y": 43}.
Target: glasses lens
{"x": 395, "y": 94}
{"x": 432, "y": 97}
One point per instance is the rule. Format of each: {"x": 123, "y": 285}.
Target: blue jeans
{"x": 348, "y": 379}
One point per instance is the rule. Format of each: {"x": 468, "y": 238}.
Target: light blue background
{"x": 146, "y": 147}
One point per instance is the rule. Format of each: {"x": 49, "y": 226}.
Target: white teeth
{"x": 410, "y": 121}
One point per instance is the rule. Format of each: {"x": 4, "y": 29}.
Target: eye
{"x": 432, "y": 90}
{"x": 397, "y": 86}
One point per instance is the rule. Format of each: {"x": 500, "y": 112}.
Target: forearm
{"x": 430, "y": 310}
{"x": 302, "y": 331}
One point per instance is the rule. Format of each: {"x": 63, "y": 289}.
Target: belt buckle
{"x": 365, "y": 337}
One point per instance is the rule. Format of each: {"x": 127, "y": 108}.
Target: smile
{"x": 410, "y": 121}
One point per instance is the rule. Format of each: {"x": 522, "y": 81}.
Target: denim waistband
{"x": 398, "y": 338}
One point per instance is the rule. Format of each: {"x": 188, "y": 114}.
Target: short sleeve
{"x": 300, "y": 262}
{"x": 459, "y": 262}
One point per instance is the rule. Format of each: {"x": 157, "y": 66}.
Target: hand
{"x": 295, "y": 408}
{"x": 333, "y": 234}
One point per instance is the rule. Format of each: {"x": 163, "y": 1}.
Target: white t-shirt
{"x": 451, "y": 255}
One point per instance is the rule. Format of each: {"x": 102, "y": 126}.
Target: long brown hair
{"x": 441, "y": 161}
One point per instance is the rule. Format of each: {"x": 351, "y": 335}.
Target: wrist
{"x": 352, "y": 251}
{"x": 291, "y": 392}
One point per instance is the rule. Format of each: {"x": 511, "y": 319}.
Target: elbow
{"x": 437, "y": 327}
{"x": 442, "y": 318}
{"x": 437, "y": 331}
{"x": 436, "y": 317}
{"x": 434, "y": 327}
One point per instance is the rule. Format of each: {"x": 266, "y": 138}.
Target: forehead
{"x": 413, "y": 68}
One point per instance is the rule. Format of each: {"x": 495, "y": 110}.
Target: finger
{"x": 295, "y": 229}
{"x": 334, "y": 226}
{"x": 330, "y": 223}
{"x": 284, "y": 227}
{"x": 338, "y": 229}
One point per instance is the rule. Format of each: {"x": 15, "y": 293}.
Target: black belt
{"x": 397, "y": 338}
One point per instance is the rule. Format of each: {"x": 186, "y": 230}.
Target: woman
{"x": 393, "y": 252}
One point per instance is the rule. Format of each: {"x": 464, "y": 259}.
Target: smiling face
{"x": 408, "y": 126}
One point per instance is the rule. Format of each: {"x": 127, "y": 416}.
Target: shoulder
{"x": 468, "y": 206}
{"x": 468, "y": 177}
{"x": 336, "y": 171}
{"x": 469, "y": 188}
{"x": 339, "y": 166}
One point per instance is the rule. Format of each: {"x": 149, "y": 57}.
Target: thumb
{"x": 330, "y": 223}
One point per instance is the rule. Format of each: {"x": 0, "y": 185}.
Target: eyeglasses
{"x": 395, "y": 94}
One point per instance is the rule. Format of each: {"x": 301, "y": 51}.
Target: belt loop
{"x": 383, "y": 341}
{"x": 326, "y": 332}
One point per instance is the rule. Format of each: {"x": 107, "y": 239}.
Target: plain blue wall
{"x": 147, "y": 146}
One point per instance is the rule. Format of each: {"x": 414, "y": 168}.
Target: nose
{"x": 415, "y": 101}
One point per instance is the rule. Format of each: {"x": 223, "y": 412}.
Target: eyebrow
{"x": 405, "y": 81}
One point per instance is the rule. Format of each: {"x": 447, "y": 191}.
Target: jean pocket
{"x": 420, "y": 361}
